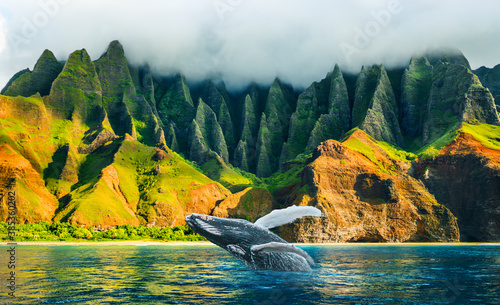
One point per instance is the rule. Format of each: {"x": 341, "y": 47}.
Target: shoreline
{"x": 139, "y": 243}
{"x": 110, "y": 243}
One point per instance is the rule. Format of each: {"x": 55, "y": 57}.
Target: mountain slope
{"x": 103, "y": 143}
{"x": 465, "y": 177}
{"x": 366, "y": 195}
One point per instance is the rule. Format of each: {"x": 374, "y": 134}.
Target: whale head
{"x": 229, "y": 233}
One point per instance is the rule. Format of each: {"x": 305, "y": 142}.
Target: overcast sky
{"x": 249, "y": 40}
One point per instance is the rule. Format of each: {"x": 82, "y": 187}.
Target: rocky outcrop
{"x": 364, "y": 186}
{"x": 264, "y": 153}
{"x": 490, "y": 78}
{"x": 375, "y": 110}
{"x": 62, "y": 173}
{"x": 171, "y": 139}
{"x": 206, "y": 135}
{"x": 128, "y": 112}
{"x": 218, "y": 101}
{"x": 310, "y": 105}
{"x": 335, "y": 123}
{"x": 465, "y": 177}
{"x": 273, "y": 129}
{"x": 363, "y": 203}
{"x": 177, "y": 105}
{"x": 97, "y": 138}
{"x": 114, "y": 75}
{"x": 84, "y": 209}
{"x": 456, "y": 96}
{"x": 27, "y": 83}
{"x": 18, "y": 178}
{"x": 244, "y": 155}
{"x": 249, "y": 204}
{"x": 118, "y": 90}
{"x": 76, "y": 93}
{"x": 416, "y": 84}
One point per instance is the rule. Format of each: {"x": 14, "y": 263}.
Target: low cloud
{"x": 249, "y": 40}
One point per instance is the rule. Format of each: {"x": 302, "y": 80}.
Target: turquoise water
{"x": 345, "y": 274}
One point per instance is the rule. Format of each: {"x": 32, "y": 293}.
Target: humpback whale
{"x": 253, "y": 243}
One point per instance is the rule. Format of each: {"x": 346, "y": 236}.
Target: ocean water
{"x": 345, "y": 274}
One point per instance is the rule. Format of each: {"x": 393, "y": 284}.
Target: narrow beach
{"x": 205, "y": 243}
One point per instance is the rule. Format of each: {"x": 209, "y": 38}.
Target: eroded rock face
{"x": 456, "y": 96}
{"x": 206, "y": 135}
{"x": 76, "y": 93}
{"x": 375, "y": 107}
{"x": 363, "y": 203}
{"x": 250, "y": 204}
{"x": 490, "y": 78}
{"x": 466, "y": 179}
{"x": 33, "y": 201}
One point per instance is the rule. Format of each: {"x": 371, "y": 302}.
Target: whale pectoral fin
{"x": 282, "y": 248}
{"x": 283, "y": 216}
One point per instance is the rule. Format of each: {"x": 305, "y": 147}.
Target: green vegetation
{"x": 433, "y": 149}
{"x": 145, "y": 133}
{"x": 21, "y": 130}
{"x": 487, "y": 135}
{"x": 310, "y": 105}
{"x": 391, "y": 151}
{"x": 395, "y": 152}
{"x": 206, "y": 135}
{"x": 226, "y": 175}
{"x": 177, "y": 103}
{"x": 365, "y": 88}
{"x": 361, "y": 147}
{"x": 337, "y": 121}
{"x": 290, "y": 177}
{"x": 62, "y": 132}
{"x": 27, "y": 83}
{"x": 416, "y": 85}
{"x": 62, "y": 231}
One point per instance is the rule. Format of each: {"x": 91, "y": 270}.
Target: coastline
{"x": 206, "y": 243}
{"x": 111, "y": 243}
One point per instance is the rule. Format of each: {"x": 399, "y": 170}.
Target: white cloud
{"x": 250, "y": 40}
{"x": 3, "y": 33}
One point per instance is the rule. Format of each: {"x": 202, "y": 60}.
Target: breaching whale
{"x": 253, "y": 243}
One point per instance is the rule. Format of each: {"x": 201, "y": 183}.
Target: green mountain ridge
{"x": 131, "y": 147}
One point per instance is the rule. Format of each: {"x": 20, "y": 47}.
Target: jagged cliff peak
{"x": 114, "y": 50}
{"x": 449, "y": 55}
{"x": 27, "y": 83}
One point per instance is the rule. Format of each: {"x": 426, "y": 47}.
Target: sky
{"x": 242, "y": 41}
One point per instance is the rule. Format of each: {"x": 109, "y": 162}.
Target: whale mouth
{"x": 201, "y": 224}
